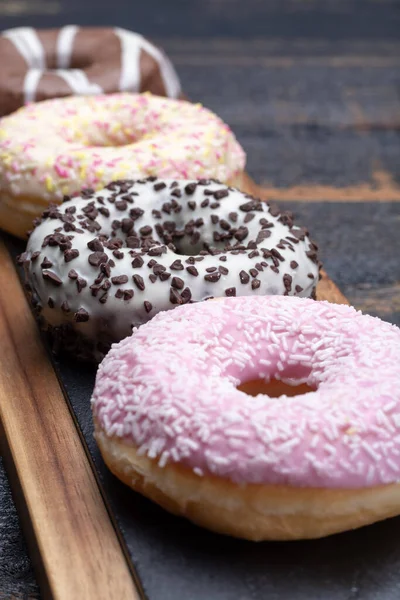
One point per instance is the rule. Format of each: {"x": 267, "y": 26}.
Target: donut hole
{"x": 107, "y": 135}
{"x": 81, "y": 61}
{"x": 274, "y": 388}
{"x": 111, "y": 138}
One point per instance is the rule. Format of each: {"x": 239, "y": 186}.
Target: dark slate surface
{"x": 16, "y": 576}
{"x": 311, "y": 90}
{"x": 330, "y": 19}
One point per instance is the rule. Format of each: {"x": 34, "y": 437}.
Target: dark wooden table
{"x": 312, "y": 91}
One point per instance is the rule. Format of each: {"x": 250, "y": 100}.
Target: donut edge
{"x": 253, "y": 512}
{"x": 18, "y": 213}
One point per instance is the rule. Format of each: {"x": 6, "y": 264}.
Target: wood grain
{"x": 383, "y": 188}
{"x": 72, "y": 539}
{"x": 328, "y": 290}
{"x": 380, "y": 300}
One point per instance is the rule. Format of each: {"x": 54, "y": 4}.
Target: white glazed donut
{"x": 173, "y": 420}
{"x": 105, "y": 262}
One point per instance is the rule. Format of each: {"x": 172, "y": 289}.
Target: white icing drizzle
{"x": 130, "y": 60}
{"x": 131, "y": 45}
{"x": 28, "y": 44}
{"x": 79, "y": 82}
{"x": 76, "y": 79}
{"x": 65, "y": 44}
{"x": 31, "y": 83}
{"x": 168, "y": 74}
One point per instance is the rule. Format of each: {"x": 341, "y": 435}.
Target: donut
{"x": 39, "y": 64}
{"x": 174, "y": 421}
{"x": 57, "y": 147}
{"x": 105, "y": 262}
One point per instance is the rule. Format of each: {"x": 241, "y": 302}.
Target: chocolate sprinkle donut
{"x": 109, "y": 261}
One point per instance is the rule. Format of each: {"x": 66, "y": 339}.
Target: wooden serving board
{"x": 91, "y": 537}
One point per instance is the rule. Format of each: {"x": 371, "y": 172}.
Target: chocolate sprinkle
{"x": 177, "y": 265}
{"x": 52, "y": 277}
{"x": 80, "y": 284}
{"x": 174, "y": 297}
{"x": 97, "y": 258}
{"x": 190, "y": 189}
{"x": 65, "y": 307}
{"x": 213, "y": 277}
{"x": 46, "y": 263}
{"x": 81, "y": 316}
{"x": 230, "y": 291}
{"x": 147, "y": 306}
{"x": 95, "y": 245}
{"x": 177, "y": 283}
{"x": 139, "y": 282}
{"x": 119, "y": 280}
{"x": 186, "y": 295}
{"x": 244, "y": 277}
{"x": 192, "y": 270}
{"x": 221, "y": 194}
{"x": 287, "y": 282}
{"x": 71, "y": 254}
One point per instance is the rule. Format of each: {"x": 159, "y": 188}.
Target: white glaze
{"x": 31, "y": 83}
{"x": 129, "y": 79}
{"x": 28, "y": 44}
{"x": 131, "y": 46}
{"x": 65, "y": 45}
{"x": 78, "y": 82}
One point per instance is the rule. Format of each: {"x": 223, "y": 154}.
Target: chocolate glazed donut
{"x": 42, "y": 64}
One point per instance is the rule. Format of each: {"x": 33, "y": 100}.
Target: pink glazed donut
{"x": 173, "y": 419}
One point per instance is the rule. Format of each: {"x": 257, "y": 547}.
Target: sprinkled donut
{"x": 105, "y": 262}
{"x": 173, "y": 423}
{"x": 58, "y": 147}
{"x": 39, "y": 64}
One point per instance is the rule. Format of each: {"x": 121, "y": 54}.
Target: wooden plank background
{"x": 311, "y": 88}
